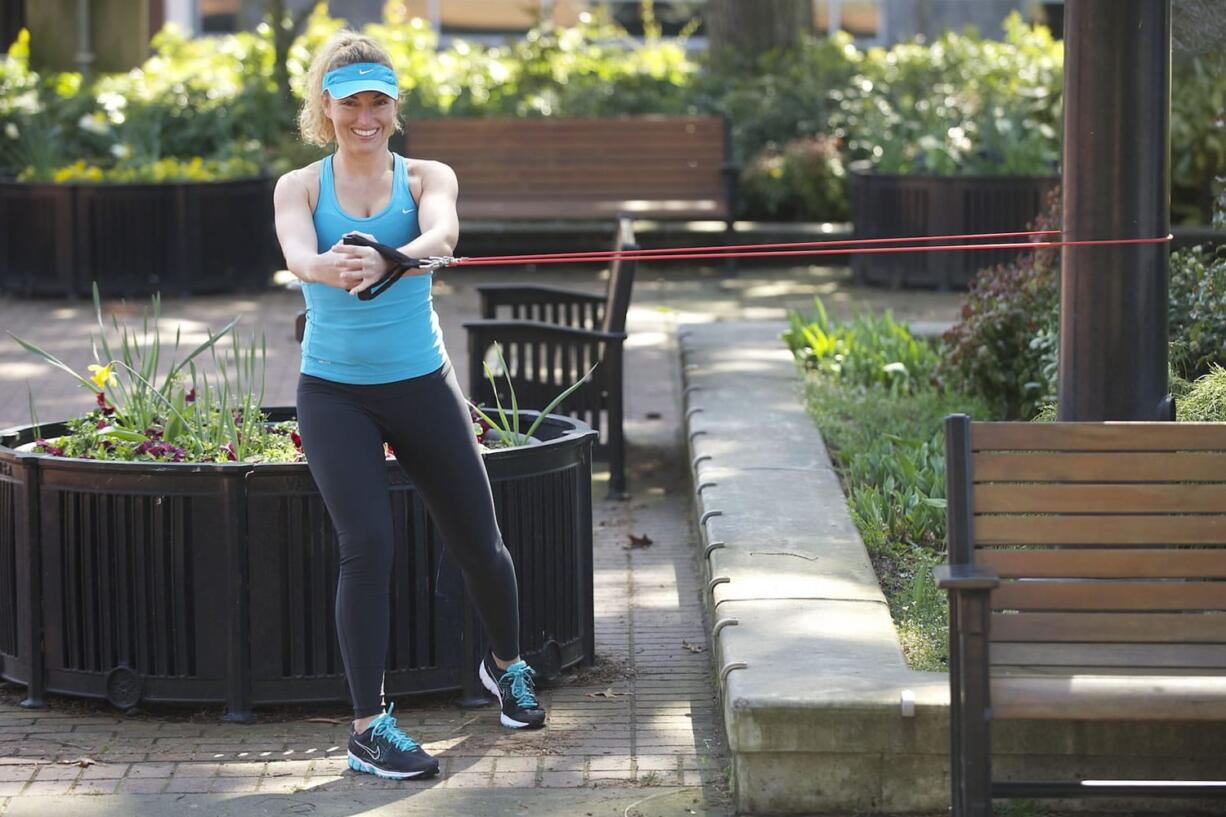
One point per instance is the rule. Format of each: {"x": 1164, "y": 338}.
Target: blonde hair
{"x": 345, "y": 48}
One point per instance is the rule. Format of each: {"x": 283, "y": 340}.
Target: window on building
{"x": 671, "y": 16}
{"x": 499, "y": 19}
{"x": 219, "y": 16}
{"x": 859, "y": 18}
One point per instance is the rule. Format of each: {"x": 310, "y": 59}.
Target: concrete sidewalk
{"x": 638, "y": 734}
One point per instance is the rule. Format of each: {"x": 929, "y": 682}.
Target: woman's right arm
{"x": 296, "y": 232}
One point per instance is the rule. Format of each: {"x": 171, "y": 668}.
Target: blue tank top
{"x": 393, "y": 337}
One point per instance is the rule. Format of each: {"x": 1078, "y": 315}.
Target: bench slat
{"x": 1099, "y": 498}
{"x": 1110, "y": 697}
{"x": 1181, "y": 628}
{"x": 1096, "y": 467}
{"x": 1108, "y": 436}
{"x": 1118, "y": 656}
{"x": 669, "y": 166}
{"x": 1100, "y": 530}
{"x": 1089, "y": 563}
{"x": 1109, "y": 595}
{"x": 603, "y": 209}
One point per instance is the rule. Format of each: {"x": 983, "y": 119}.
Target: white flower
{"x": 121, "y": 151}
{"x": 94, "y": 124}
{"x": 10, "y": 130}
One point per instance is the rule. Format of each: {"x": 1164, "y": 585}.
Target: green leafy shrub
{"x": 1197, "y": 310}
{"x": 868, "y": 351}
{"x": 804, "y": 180}
{"x": 889, "y": 452}
{"x": 774, "y": 98}
{"x": 1198, "y": 134}
{"x": 169, "y": 169}
{"x": 1003, "y": 347}
{"x": 1204, "y": 400}
{"x": 962, "y": 105}
{"x": 151, "y": 408}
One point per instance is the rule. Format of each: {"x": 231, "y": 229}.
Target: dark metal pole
{"x": 1113, "y": 300}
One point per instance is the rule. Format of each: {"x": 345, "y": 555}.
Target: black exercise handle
{"x": 400, "y": 263}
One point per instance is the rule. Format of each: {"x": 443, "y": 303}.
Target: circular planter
{"x": 180, "y": 237}
{"x": 890, "y": 205}
{"x": 215, "y": 583}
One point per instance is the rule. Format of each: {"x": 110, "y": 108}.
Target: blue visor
{"x": 360, "y": 76}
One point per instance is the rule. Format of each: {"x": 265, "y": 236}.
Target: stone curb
{"x": 816, "y": 692}
{"x": 821, "y": 711}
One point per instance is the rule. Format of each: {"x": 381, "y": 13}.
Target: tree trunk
{"x": 748, "y": 28}
{"x": 285, "y": 29}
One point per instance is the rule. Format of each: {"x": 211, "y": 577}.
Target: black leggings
{"x": 426, "y": 422}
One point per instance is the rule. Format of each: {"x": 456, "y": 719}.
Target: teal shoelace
{"x": 521, "y": 684}
{"x": 385, "y": 727}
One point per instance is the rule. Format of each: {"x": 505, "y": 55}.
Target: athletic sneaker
{"x": 515, "y": 691}
{"x": 383, "y": 750}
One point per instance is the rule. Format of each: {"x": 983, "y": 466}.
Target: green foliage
{"x": 804, "y": 179}
{"x": 869, "y": 351}
{"x": 591, "y": 69}
{"x": 962, "y": 105}
{"x": 149, "y": 407}
{"x": 1205, "y": 400}
{"x": 1004, "y": 346}
{"x": 1198, "y": 134}
{"x": 889, "y": 451}
{"x": 1197, "y": 310}
{"x": 503, "y": 429}
{"x": 168, "y": 169}
{"x": 779, "y": 96}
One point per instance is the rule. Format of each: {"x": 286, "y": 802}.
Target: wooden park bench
{"x": 544, "y": 168}
{"x": 1086, "y": 568}
{"x": 549, "y": 338}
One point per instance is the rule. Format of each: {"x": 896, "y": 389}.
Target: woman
{"x": 376, "y": 371}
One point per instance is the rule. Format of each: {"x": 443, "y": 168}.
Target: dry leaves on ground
{"x": 606, "y": 693}
{"x": 638, "y": 541}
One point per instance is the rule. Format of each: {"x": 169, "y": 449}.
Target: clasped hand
{"x": 359, "y": 268}
{"x": 354, "y": 268}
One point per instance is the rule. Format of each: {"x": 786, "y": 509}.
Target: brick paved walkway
{"x": 644, "y": 717}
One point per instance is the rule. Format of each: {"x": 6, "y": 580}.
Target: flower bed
{"x": 171, "y": 544}
{"x": 203, "y": 583}
{"x": 879, "y": 395}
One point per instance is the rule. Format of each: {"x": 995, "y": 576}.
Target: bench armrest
{"x": 520, "y": 329}
{"x": 965, "y": 577}
{"x": 499, "y": 294}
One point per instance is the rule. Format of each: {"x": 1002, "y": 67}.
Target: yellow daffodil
{"x": 103, "y": 376}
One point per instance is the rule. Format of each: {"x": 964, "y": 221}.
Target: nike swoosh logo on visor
{"x": 364, "y": 73}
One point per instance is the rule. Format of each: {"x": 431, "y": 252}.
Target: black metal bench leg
{"x": 974, "y": 724}
{"x": 957, "y": 779}
{"x": 617, "y": 438}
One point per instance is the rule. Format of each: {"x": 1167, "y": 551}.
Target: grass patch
{"x": 889, "y": 451}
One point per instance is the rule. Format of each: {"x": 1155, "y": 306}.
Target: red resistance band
{"x": 838, "y": 247}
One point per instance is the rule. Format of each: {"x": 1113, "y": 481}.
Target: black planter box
{"x": 216, "y": 583}
{"x": 889, "y": 206}
{"x": 135, "y": 239}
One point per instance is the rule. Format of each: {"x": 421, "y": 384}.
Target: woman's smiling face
{"x": 362, "y": 121}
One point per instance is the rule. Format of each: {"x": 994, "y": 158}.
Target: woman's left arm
{"x": 436, "y": 212}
